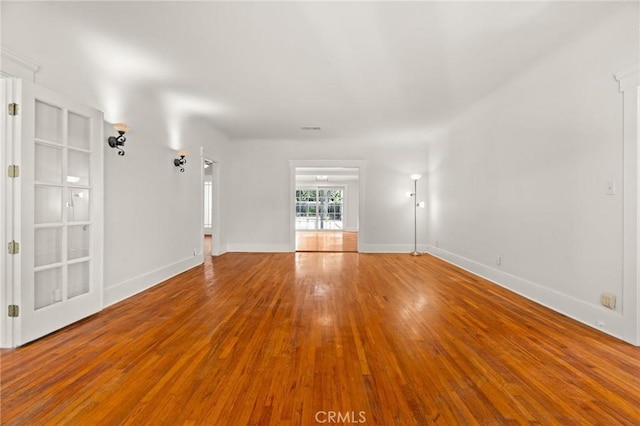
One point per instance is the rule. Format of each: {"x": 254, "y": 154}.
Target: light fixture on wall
{"x": 180, "y": 161}
{"x": 117, "y": 142}
{"x": 415, "y": 177}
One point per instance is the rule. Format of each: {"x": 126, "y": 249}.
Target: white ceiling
{"x": 266, "y": 69}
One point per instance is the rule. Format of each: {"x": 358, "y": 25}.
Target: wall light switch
{"x": 611, "y": 188}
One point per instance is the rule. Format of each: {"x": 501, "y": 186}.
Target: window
{"x": 208, "y": 205}
{"x": 319, "y": 208}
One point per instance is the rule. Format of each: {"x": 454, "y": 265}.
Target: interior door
{"x": 58, "y": 211}
{"x": 6, "y": 218}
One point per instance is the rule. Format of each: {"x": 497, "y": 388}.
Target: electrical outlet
{"x": 608, "y": 300}
{"x": 498, "y": 260}
{"x": 437, "y": 243}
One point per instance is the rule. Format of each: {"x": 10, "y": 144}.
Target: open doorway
{"x": 326, "y": 209}
{"x": 207, "y": 201}
{"x": 210, "y": 184}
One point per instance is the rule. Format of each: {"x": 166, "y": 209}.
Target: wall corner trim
{"x": 628, "y": 77}
{"x": 629, "y": 82}
{"x": 17, "y": 65}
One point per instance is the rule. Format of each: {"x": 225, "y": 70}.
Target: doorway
{"x": 326, "y": 208}
{"x": 207, "y": 214}
{"x": 210, "y": 187}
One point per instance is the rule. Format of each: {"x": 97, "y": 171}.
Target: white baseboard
{"x": 595, "y": 316}
{"x": 600, "y": 318}
{"x": 128, "y": 288}
{"x": 389, "y": 248}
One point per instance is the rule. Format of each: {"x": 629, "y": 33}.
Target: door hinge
{"x": 14, "y": 248}
{"x": 14, "y": 109}
{"x": 14, "y": 311}
{"x": 13, "y": 171}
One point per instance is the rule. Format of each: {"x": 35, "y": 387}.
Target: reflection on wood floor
{"x": 284, "y": 338}
{"x": 207, "y": 245}
{"x": 341, "y": 241}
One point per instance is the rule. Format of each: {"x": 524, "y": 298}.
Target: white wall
{"x": 351, "y": 196}
{"x": 259, "y": 199}
{"x": 523, "y": 175}
{"x": 152, "y": 210}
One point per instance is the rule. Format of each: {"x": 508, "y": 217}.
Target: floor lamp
{"x": 415, "y": 177}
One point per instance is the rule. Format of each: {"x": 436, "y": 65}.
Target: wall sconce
{"x": 415, "y": 177}
{"x": 118, "y": 141}
{"x": 181, "y": 161}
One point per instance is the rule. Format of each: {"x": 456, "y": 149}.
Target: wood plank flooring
{"x": 313, "y": 338}
{"x": 335, "y": 241}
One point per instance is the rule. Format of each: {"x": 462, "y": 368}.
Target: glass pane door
{"x": 62, "y": 192}
{"x": 60, "y": 211}
{"x": 319, "y": 209}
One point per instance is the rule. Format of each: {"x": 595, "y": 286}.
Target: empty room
{"x": 320, "y": 212}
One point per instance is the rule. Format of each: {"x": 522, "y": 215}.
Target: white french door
{"x": 319, "y": 208}
{"x": 56, "y": 211}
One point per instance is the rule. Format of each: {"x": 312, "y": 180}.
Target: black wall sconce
{"x": 181, "y": 161}
{"x": 117, "y": 142}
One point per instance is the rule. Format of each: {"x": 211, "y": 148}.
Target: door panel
{"x": 49, "y": 159}
{"x": 79, "y": 131}
{"x": 78, "y": 167}
{"x": 6, "y": 215}
{"x": 48, "y": 246}
{"x": 48, "y": 123}
{"x": 60, "y": 210}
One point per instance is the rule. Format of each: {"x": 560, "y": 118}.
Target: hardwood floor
{"x": 334, "y": 241}
{"x": 305, "y": 338}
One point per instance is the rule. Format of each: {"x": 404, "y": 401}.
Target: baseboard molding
{"x": 128, "y": 288}
{"x": 389, "y": 248}
{"x": 600, "y": 318}
{"x": 258, "y": 248}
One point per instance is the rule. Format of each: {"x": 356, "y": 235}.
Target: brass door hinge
{"x": 14, "y": 109}
{"x": 14, "y": 311}
{"x": 13, "y": 171}
{"x": 14, "y": 248}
